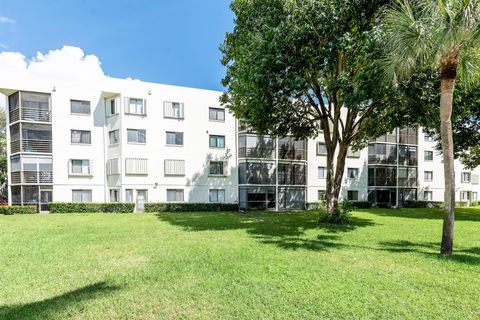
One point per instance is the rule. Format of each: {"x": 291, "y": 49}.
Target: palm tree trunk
{"x": 446, "y": 101}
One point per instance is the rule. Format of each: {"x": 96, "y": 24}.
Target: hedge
{"x": 74, "y": 207}
{"x": 190, "y": 207}
{"x": 9, "y": 210}
{"x": 423, "y": 204}
{"x": 352, "y": 204}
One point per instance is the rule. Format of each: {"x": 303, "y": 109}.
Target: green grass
{"x": 232, "y": 266}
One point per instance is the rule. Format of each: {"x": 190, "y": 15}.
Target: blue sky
{"x": 172, "y": 42}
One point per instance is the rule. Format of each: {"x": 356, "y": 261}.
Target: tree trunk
{"x": 334, "y": 184}
{"x": 446, "y": 101}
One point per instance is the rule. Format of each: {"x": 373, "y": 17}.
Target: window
{"x": 321, "y": 195}
{"x": 321, "y": 149}
{"x": 322, "y": 172}
{"x": 428, "y": 176}
{"x": 111, "y": 107}
{"x": 136, "y": 136}
{"x": 428, "y": 155}
{"x": 466, "y": 177}
{"x": 174, "y": 195}
{"x": 353, "y": 154}
{"x": 136, "y": 166}
{"x": 114, "y": 136}
{"x": 216, "y": 114}
{"x": 291, "y": 174}
{"x": 82, "y": 195}
{"x": 382, "y": 153}
{"x": 174, "y": 167}
{"x": 80, "y": 136}
{"x": 474, "y": 195}
{"x": 428, "y": 195}
{"x": 113, "y": 166}
{"x": 173, "y": 110}
{"x": 253, "y": 172}
{"x": 114, "y": 195}
{"x": 475, "y": 178}
{"x": 464, "y": 195}
{"x": 128, "y": 195}
{"x": 352, "y": 195}
{"x": 428, "y": 137}
{"x": 216, "y": 195}
{"x": 216, "y": 168}
{"x": 254, "y": 146}
{"x": 217, "y": 141}
{"x": 175, "y": 138}
{"x": 352, "y": 173}
{"x": 136, "y": 106}
{"x": 80, "y": 107}
{"x": 407, "y": 136}
{"x": 80, "y": 167}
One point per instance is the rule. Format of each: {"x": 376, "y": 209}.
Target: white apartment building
{"x": 121, "y": 140}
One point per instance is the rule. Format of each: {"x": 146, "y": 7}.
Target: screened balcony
{"x": 31, "y": 170}
{"x": 29, "y": 106}
{"x": 28, "y": 137}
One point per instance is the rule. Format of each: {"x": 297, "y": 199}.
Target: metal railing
{"x": 34, "y": 177}
{"x": 31, "y": 114}
{"x": 263, "y": 153}
{"x": 44, "y": 146}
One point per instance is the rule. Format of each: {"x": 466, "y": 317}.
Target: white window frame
{"x": 318, "y": 149}
{"x": 224, "y": 167}
{"x": 89, "y": 171}
{"x": 115, "y": 194}
{"x": 357, "y": 173}
{"x": 216, "y": 111}
{"x": 217, "y": 138}
{"x": 425, "y": 176}
{"x": 82, "y": 132}
{"x": 176, "y": 191}
{"x": 108, "y": 107}
{"x": 87, "y": 192}
{"x": 425, "y": 152}
{"x": 82, "y": 102}
{"x": 353, "y": 192}
{"x": 353, "y": 154}
{"x": 322, "y": 172}
{"x": 173, "y": 110}
{"x": 116, "y": 135}
{"x": 466, "y": 174}
{"x": 113, "y": 167}
{"x": 175, "y": 139}
{"x": 137, "y": 131}
{"x": 428, "y": 195}
{"x": 129, "y": 195}
{"x": 216, "y": 195}
{"x": 139, "y": 109}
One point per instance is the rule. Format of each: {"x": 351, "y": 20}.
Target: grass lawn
{"x": 227, "y": 265}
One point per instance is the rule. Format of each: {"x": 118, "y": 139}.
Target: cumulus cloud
{"x": 6, "y": 20}
{"x": 68, "y": 63}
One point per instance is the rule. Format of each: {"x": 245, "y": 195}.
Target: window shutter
{"x": 182, "y": 110}
{"x": 136, "y": 166}
{"x": 144, "y": 106}
{"x": 167, "y": 109}
{"x": 127, "y": 105}
{"x": 174, "y": 167}
{"x": 475, "y": 179}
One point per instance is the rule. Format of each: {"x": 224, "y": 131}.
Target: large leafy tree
{"x": 294, "y": 66}
{"x": 443, "y": 35}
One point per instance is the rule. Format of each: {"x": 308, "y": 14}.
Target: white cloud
{"x": 3, "y": 46}
{"x": 6, "y": 20}
{"x": 68, "y": 63}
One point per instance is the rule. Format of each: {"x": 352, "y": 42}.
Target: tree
{"x": 296, "y": 66}
{"x": 443, "y": 35}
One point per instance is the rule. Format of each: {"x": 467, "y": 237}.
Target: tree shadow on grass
{"x": 46, "y": 309}
{"x": 461, "y": 214}
{"x": 431, "y": 249}
{"x": 287, "y": 230}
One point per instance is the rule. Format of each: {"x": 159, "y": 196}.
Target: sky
{"x": 164, "y": 41}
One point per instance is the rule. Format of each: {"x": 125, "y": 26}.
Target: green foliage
{"x": 78, "y": 207}
{"x": 341, "y": 215}
{"x": 461, "y": 204}
{"x": 189, "y": 207}
{"x": 9, "y": 210}
{"x": 423, "y": 204}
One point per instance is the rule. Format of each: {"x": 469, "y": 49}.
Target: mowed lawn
{"x": 234, "y": 266}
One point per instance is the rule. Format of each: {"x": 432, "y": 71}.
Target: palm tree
{"x": 443, "y": 35}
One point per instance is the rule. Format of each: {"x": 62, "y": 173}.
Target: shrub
{"x": 9, "y": 210}
{"x": 459, "y": 204}
{"x": 475, "y": 203}
{"x": 189, "y": 207}
{"x": 423, "y": 204}
{"x": 73, "y": 207}
{"x": 340, "y": 216}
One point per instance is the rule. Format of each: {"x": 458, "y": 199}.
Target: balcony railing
{"x": 29, "y": 145}
{"x": 261, "y": 152}
{"x": 31, "y": 114}
{"x": 33, "y": 177}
